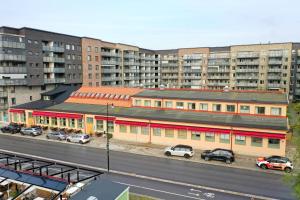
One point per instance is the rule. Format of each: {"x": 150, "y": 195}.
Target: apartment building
{"x": 34, "y": 61}
{"x": 116, "y": 64}
{"x": 250, "y": 123}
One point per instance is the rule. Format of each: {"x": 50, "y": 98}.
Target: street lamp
{"x": 107, "y": 135}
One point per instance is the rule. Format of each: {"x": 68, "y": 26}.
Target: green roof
{"x": 225, "y": 119}
{"x": 229, "y": 96}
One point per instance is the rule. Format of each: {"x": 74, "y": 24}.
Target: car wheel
{"x": 187, "y": 156}
{"x": 206, "y": 158}
{"x": 228, "y": 161}
{"x": 80, "y": 142}
{"x": 68, "y": 140}
{"x": 168, "y": 153}
{"x": 263, "y": 166}
{"x": 59, "y": 139}
{"x": 22, "y": 133}
{"x": 287, "y": 170}
{"x": 47, "y": 137}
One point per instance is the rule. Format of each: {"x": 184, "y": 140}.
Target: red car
{"x": 275, "y": 162}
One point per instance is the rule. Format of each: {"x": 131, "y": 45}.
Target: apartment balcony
{"x": 170, "y": 58}
{"x": 54, "y": 80}
{"x": 13, "y": 70}
{"x": 298, "y": 62}
{"x": 246, "y": 84}
{"x": 131, "y": 78}
{"x": 11, "y": 57}
{"x": 247, "y": 55}
{"x": 247, "y": 70}
{"x": 272, "y": 77}
{"x": 218, "y": 77}
{"x": 218, "y": 63}
{"x": 3, "y": 94}
{"x": 6, "y": 82}
{"x": 169, "y": 77}
{"x": 237, "y": 77}
{"x": 169, "y": 70}
{"x": 110, "y": 62}
{"x": 192, "y": 64}
{"x": 297, "y": 85}
{"x": 131, "y": 56}
{"x": 146, "y": 77}
{"x": 217, "y": 70}
{"x": 131, "y": 71}
{"x": 274, "y": 85}
{"x": 297, "y": 91}
{"x": 145, "y": 71}
{"x": 131, "y": 63}
{"x": 217, "y": 84}
{"x": 219, "y": 55}
{"x": 192, "y": 57}
{"x": 276, "y": 54}
{"x": 108, "y": 71}
{"x": 110, "y": 54}
{"x": 3, "y": 106}
{"x": 275, "y": 70}
{"x": 256, "y": 62}
{"x": 53, "y": 59}
{"x": 192, "y": 77}
{"x": 54, "y": 70}
{"x": 192, "y": 70}
{"x": 275, "y": 62}
{"x": 15, "y": 45}
{"x": 111, "y": 78}
{"x": 53, "y": 49}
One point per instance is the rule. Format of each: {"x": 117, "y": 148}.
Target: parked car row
{"x": 225, "y": 155}
{"x": 75, "y": 138}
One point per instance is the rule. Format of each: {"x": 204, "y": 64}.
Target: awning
{"x": 56, "y": 114}
{"x": 105, "y": 118}
{"x": 17, "y": 110}
{"x": 259, "y": 134}
{"x": 123, "y": 122}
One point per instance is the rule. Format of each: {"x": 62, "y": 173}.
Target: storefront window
{"x": 182, "y": 134}
{"x": 15, "y": 117}
{"x": 99, "y": 125}
{"x": 224, "y": 138}
{"x": 274, "y": 143}
{"x": 156, "y": 131}
{"x": 240, "y": 139}
{"x": 110, "y": 126}
{"x": 53, "y": 121}
{"x": 72, "y": 123}
{"x": 145, "y": 130}
{"x": 169, "y": 133}
{"x": 134, "y": 129}
{"x": 79, "y": 123}
{"x": 256, "y": 142}
{"x": 196, "y": 135}
{"x": 123, "y": 129}
{"x": 22, "y": 117}
{"x": 210, "y": 137}
{"x": 62, "y": 122}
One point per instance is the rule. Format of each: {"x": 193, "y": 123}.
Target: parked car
{"x": 31, "y": 131}
{"x": 224, "y": 155}
{"x": 11, "y": 128}
{"x": 275, "y": 162}
{"x": 79, "y": 138}
{"x": 57, "y": 135}
{"x": 180, "y": 150}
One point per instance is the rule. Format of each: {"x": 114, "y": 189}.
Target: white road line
{"x": 146, "y": 177}
{"x": 192, "y": 189}
{"x": 161, "y": 191}
{"x": 196, "y": 194}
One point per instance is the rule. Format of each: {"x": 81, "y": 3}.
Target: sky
{"x": 161, "y": 24}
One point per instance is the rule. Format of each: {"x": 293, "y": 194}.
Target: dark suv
{"x": 11, "y": 128}
{"x": 224, "y": 155}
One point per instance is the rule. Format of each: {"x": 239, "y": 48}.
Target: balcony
{"x": 275, "y": 54}
{"x": 169, "y": 77}
{"x": 275, "y": 70}
{"x": 12, "y": 57}
{"x": 54, "y": 70}
{"x": 53, "y": 59}
{"x": 54, "y": 80}
{"x": 273, "y": 77}
{"x": 218, "y": 77}
{"x": 131, "y": 71}
{"x": 6, "y": 82}
{"x": 13, "y": 70}
{"x": 246, "y": 84}
{"x": 246, "y": 77}
{"x": 53, "y": 49}
{"x": 192, "y": 70}
{"x": 170, "y": 64}
{"x": 274, "y": 85}
{"x": 218, "y": 62}
{"x": 247, "y": 70}
{"x": 247, "y": 55}
{"x": 110, "y": 62}
{"x": 256, "y": 62}
{"x": 15, "y": 45}
{"x": 192, "y": 57}
{"x": 164, "y": 70}
{"x": 131, "y": 56}
{"x": 217, "y": 70}
{"x": 131, "y": 78}
{"x": 110, "y": 78}
{"x": 275, "y": 62}
{"x": 219, "y": 55}
{"x": 111, "y": 71}
{"x": 3, "y": 106}
{"x": 110, "y": 54}
{"x": 192, "y": 77}
{"x": 3, "y": 94}
{"x": 217, "y": 84}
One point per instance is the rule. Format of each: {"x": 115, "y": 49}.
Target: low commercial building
{"x": 248, "y": 122}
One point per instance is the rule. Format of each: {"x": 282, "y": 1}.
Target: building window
{"x": 73, "y": 47}
{"x": 240, "y": 139}
{"x": 97, "y": 67}
{"x": 169, "y": 133}
{"x": 217, "y": 107}
{"x": 259, "y": 110}
{"x": 156, "y": 131}
{"x": 145, "y": 130}
{"x": 179, "y": 105}
{"x": 169, "y": 104}
{"x": 147, "y": 103}
{"x": 203, "y": 106}
{"x": 79, "y": 123}
{"x": 274, "y": 143}
{"x": 22, "y": 117}
{"x": 97, "y": 76}
{"x": 244, "y": 109}
{"x": 62, "y": 122}
{"x": 15, "y": 117}
{"x": 90, "y": 120}
{"x": 256, "y": 142}
{"x": 89, "y": 58}
{"x": 224, "y": 138}
{"x": 110, "y": 127}
{"x": 96, "y": 49}
{"x": 89, "y": 48}
{"x": 90, "y": 67}
{"x": 53, "y": 121}
{"x": 97, "y": 58}
{"x": 138, "y": 102}
{"x": 196, "y": 135}
{"x": 275, "y": 111}
{"x": 90, "y": 76}
{"x": 30, "y": 98}
{"x": 13, "y": 101}
{"x": 72, "y": 123}
{"x": 191, "y": 106}
{"x": 182, "y": 134}
{"x": 134, "y": 129}
{"x": 210, "y": 137}
{"x": 67, "y": 46}
{"x": 157, "y": 104}
{"x": 29, "y": 41}
{"x": 99, "y": 125}
{"x": 69, "y": 57}
{"x": 123, "y": 129}
{"x": 230, "y": 108}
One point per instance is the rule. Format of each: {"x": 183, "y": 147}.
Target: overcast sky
{"x": 161, "y": 24}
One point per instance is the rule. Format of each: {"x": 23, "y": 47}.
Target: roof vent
{"x": 226, "y": 89}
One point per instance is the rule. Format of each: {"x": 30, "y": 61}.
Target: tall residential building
{"x": 34, "y": 61}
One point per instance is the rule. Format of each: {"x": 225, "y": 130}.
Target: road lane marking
{"x": 192, "y": 189}
{"x": 145, "y": 177}
{"x": 196, "y": 194}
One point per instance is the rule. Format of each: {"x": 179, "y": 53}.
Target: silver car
{"x": 79, "y": 138}
{"x": 180, "y": 150}
{"x": 57, "y": 135}
{"x": 31, "y": 131}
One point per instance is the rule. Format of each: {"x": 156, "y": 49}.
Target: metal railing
{"x": 245, "y": 84}
{"x": 247, "y": 55}
{"x": 54, "y": 70}
{"x": 217, "y": 84}
{"x": 218, "y": 77}
{"x": 246, "y": 70}
{"x": 13, "y": 82}
{"x": 246, "y": 77}
{"x": 272, "y": 77}
{"x": 55, "y": 80}
{"x": 247, "y": 62}
{"x": 13, "y": 70}
{"x": 218, "y": 70}
{"x": 53, "y": 49}
{"x": 16, "y": 45}
{"x": 275, "y": 70}
{"x": 3, "y": 94}
{"x": 12, "y": 57}
{"x": 53, "y": 59}
{"x": 275, "y": 62}
{"x": 111, "y": 70}
{"x": 110, "y": 62}
{"x": 110, "y": 54}
{"x": 274, "y": 85}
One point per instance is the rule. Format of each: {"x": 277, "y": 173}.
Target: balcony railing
{"x": 247, "y": 55}
{"x": 111, "y": 71}
{"x": 217, "y": 84}
{"x": 54, "y": 80}
{"x": 246, "y": 77}
{"x": 131, "y": 56}
{"x": 54, "y": 70}
{"x": 218, "y": 77}
{"x": 256, "y": 62}
{"x": 131, "y": 78}
{"x": 131, "y": 71}
{"x": 217, "y": 70}
{"x": 13, "y": 70}
{"x": 110, "y": 54}
{"x": 218, "y": 62}
{"x": 192, "y": 64}
{"x": 12, "y": 57}
{"x": 192, "y": 70}
{"x": 275, "y": 62}
{"x": 53, "y": 59}
{"x": 275, "y": 70}
{"x": 3, "y": 94}
{"x": 53, "y": 49}
{"x": 15, "y": 45}
{"x": 110, "y": 62}
{"x": 7, "y": 82}
{"x": 3, "y": 106}
{"x": 275, "y": 54}
{"x": 274, "y": 85}
{"x": 245, "y": 84}
{"x": 247, "y": 70}
{"x": 219, "y": 55}
{"x": 274, "y": 77}
{"x": 131, "y": 63}
{"x": 192, "y": 77}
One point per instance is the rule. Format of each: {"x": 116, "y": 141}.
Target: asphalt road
{"x": 238, "y": 180}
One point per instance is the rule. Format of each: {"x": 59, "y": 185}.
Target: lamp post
{"x": 107, "y": 135}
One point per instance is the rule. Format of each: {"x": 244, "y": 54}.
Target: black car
{"x": 224, "y": 155}
{"x": 11, "y": 129}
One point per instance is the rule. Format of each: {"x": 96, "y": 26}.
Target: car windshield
{"x": 86, "y": 136}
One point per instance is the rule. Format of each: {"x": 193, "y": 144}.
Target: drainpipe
{"x": 150, "y": 137}
{"x": 231, "y": 138}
